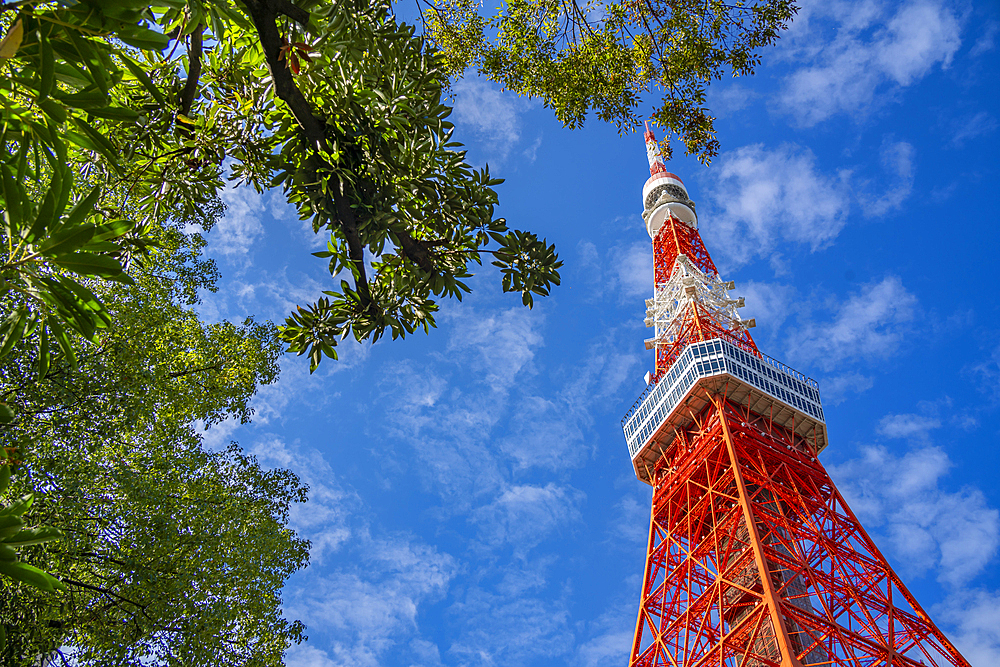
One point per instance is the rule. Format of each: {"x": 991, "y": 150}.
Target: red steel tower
{"x": 754, "y": 559}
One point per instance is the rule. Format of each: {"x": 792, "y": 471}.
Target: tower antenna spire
{"x": 653, "y": 153}
{"x": 754, "y": 558}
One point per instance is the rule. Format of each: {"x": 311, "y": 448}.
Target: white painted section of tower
{"x": 656, "y": 218}
{"x": 653, "y": 154}
{"x": 687, "y": 285}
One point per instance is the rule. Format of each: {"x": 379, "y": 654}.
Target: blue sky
{"x": 472, "y": 499}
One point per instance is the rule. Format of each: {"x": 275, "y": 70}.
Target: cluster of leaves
{"x": 375, "y": 167}
{"x": 116, "y": 118}
{"x": 172, "y": 553}
{"x": 603, "y": 56}
{"x": 54, "y": 83}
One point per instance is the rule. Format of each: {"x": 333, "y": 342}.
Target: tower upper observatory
{"x": 664, "y": 192}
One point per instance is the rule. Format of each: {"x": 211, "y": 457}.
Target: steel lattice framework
{"x": 754, "y": 558}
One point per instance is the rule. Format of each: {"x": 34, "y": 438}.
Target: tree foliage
{"x": 603, "y": 56}
{"x": 120, "y": 124}
{"x": 172, "y": 553}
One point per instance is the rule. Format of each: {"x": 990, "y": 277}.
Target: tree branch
{"x": 285, "y": 7}
{"x": 263, "y": 14}
{"x": 194, "y": 69}
{"x": 415, "y": 251}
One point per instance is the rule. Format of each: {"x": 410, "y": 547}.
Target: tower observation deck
{"x": 754, "y": 558}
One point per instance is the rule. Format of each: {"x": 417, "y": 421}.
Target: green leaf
{"x": 67, "y": 240}
{"x": 99, "y": 143}
{"x": 6, "y": 414}
{"x": 143, "y": 38}
{"x": 47, "y": 213}
{"x": 53, "y": 110}
{"x": 10, "y": 523}
{"x": 31, "y": 536}
{"x": 88, "y": 264}
{"x": 83, "y": 208}
{"x": 17, "y": 508}
{"x": 140, "y": 74}
{"x": 31, "y": 575}
{"x": 13, "y": 198}
{"x": 65, "y": 344}
{"x": 116, "y": 113}
{"x": 43, "y": 351}
{"x": 48, "y": 69}
{"x": 12, "y": 329}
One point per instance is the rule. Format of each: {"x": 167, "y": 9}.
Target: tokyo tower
{"x": 754, "y": 558}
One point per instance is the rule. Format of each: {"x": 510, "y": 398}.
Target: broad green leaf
{"x": 31, "y": 536}
{"x": 31, "y": 575}
{"x": 12, "y": 40}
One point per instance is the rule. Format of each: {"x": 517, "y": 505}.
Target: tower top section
{"x": 664, "y": 193}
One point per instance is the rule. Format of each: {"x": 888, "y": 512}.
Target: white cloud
{"x": 621, "y": 271}
{"x": 305, "y": 655}
{"x": 870, "y": 324}
{"x": 975, "y": 617}
{"x": 524, "y": 515}
{"x": 923, "y": 526}
{"x": 611, "y": 640}
{"x": 502, "y": 343}
{"x": 897, "y": 160}
{"x": 770, "y": 304}
{"x": 270, "y": 295}
{"x": 367, "y": 610}
{"x": 727, "y": 100}
{"x": 630, "y": 526}
{"x": 986, "y": 41}
{"x": 531, "y": 152}
{"x": 836, "y": 389}
{"x": 492, "y": 117}
{"x": 510, "y": 631}
{"x": 970, "y": 127}
{"x": 326, "y": 519}
{"x": 760, "y": 198}
{"x": 908, "y": 426}
{"x": 240, "y": 227}
{"x": 280, "y": 209}
{"x": 987, "y": 373}
{"x": 366, "y": 602}
{"x": 867, "y": 55}
{"x": 633, "y": 269}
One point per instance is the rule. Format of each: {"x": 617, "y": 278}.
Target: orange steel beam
{"x": 752, "y": 548}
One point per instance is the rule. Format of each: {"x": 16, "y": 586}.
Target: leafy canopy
{"x": 170, "y": 552}
{"x": 603, "y": 56}
{"x": 117, "y": 116}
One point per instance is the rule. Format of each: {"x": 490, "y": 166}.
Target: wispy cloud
{"x": 974, "y": 616}
{"x": 897, "y": 159}
{"x": 908, "y": 426}
{"x": 524, "y": 514}
{"x": 970, "y": 127}
{"x": 860, "y": 54}
{"x": 759, "y": 198}
{"x": 365, "y": 603}
{"x": 233, "y": 236}
{"x": 621, "y": 271}
{"x": 924, "y": 526}
{"x": 870, "y": 324}
{"x": 510, "y": 630}
{"x": 493, "y": 118}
